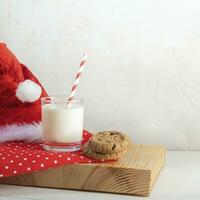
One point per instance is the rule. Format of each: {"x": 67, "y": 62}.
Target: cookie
{"x": 109, "y": 142}
{"x": 99, "y": 156}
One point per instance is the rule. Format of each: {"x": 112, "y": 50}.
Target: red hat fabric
{"x": 20, "y": 93}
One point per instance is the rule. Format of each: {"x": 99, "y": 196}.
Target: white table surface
{"x": 180, "y": 179}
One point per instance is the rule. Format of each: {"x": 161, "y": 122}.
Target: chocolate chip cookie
{"x": 109, "y": 142}
{"x": 100, "y": 156}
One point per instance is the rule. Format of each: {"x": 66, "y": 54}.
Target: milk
{"x": 62, "y": 123}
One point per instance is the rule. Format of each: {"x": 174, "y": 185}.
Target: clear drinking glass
{"x": 62, "y": 124}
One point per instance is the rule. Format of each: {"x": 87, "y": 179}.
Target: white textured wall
{"x": 143, "y": 72}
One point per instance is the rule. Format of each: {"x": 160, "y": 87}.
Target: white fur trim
{"x": 28, "y": 91}
{"x": 14, "y": 132}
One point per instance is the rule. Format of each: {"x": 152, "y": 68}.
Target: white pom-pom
{"x": 28, "y": 91}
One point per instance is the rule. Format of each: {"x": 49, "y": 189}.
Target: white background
{"x": 143, "y": 72}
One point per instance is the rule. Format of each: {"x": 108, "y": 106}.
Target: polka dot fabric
{"x": 18, "y": 158}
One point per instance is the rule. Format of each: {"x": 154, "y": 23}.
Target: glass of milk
{"x": 62, "y": 124}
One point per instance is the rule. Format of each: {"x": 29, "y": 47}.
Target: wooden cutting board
{"x": 134, "y": 174}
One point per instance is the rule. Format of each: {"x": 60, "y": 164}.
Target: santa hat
{"x": 20, "y": 93}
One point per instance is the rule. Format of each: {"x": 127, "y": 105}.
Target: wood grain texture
{"x": 134, "y": 174}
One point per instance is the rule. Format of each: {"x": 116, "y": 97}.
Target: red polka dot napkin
{"x": 19, "y": 158}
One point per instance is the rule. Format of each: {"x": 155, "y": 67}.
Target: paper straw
{"x": 78, "y": 76}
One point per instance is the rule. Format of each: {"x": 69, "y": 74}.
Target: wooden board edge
{"x": 23, "y": 180}
{"x": 158, "y": 168}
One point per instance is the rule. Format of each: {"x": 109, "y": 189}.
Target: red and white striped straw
{"x": 78, "y": 76}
